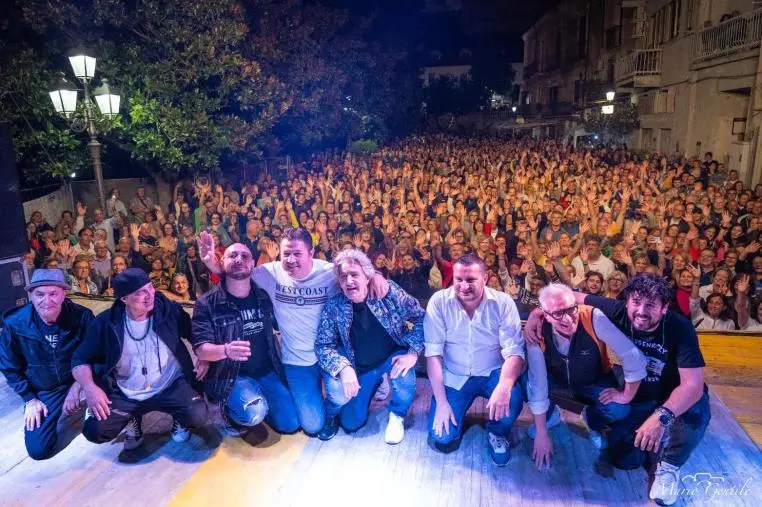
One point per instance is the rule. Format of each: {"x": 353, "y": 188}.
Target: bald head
{"x": 237, "y": 262}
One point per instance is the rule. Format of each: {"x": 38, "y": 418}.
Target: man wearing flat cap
{"x": 133, "y": 361}
{"x": 36, "y": 348}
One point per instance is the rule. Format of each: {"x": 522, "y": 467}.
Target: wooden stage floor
{"x": 360, "y": 469}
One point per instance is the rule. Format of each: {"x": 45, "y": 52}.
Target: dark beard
{"x": 241, "y": 275}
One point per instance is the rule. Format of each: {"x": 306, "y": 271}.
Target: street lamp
{"x": 513, "y": 109}
{"x": 107, "y": 99}
{"x": 608, "y": 109}
{"x": 610, "y": 96}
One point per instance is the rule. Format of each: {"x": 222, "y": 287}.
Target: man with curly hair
{"x": 670, "y": 413}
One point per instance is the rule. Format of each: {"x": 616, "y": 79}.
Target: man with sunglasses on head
{"x": 574, "y": 355}
{"x": 670, "y": 412}
{"x": 232, "y": 328}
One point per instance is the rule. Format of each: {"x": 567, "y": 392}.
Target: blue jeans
{"x": 598, "y": 414}
{"x": 353, "y": 412}
{"x": 678, "y": 442}
{"x": 252, "y": 400}
{"x": 461, "y": 399}
{"x": 304, "y": 383}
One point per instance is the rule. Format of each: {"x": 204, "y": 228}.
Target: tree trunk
{"x": 164, "y": 187}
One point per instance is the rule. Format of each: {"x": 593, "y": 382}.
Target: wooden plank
{"x": 296, "y": 470}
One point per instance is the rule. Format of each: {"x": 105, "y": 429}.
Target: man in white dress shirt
{"x": 474, "y": 347}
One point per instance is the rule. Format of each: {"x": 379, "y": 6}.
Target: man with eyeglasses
{"x": 574, "y": 355}
{"x": 670, "y": 412}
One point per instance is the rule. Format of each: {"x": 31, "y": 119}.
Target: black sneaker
{"x": 330, "y": 429}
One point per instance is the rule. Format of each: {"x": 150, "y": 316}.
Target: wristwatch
{"x": 666, "y": 416}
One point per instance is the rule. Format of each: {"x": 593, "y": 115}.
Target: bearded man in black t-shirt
{"x": 670, "y": 412}
{"x": 232, "y": 327}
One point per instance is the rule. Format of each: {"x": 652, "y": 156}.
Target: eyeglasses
{"x": 559, "y": 314}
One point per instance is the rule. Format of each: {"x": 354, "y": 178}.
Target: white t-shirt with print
{"x": 297, "y": 305}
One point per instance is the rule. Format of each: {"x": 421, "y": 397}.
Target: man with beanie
{"x": 133, "y": 361}
{"x": 36, "y": 348}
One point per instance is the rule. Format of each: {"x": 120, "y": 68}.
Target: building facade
{"x": 692, "y": 67}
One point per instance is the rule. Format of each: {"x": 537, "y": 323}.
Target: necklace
{"x": 142, "y": 354}
{"x": 145, "y": 333}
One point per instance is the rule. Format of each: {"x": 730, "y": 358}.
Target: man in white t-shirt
{"x": 299, "y": 287}
{"x": 133, "y": 361}
{"x": 591, "y": 259}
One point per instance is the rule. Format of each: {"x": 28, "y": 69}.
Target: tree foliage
{"x": 205, "y": 84}
{"x": 616, "y": 126}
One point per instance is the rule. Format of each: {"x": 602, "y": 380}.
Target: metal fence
{"x": 738, "y": 33}
{"x": 640, "y": 62}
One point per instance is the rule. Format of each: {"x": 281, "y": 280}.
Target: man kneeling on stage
{"x": 36, "y": 347}
{"x": 576, "y": 357}
{"x": 133, "y": 362}
{"x": 670, "y": 412}
{"x": 233, "y": 329}
{"x": 474, "y": 348}
{"x": 359, "y": 340}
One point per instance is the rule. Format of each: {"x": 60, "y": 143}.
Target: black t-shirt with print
{"x": 254, "y": 321}
{"x": 673, "y": 345}
{"x": 51, "y": 333}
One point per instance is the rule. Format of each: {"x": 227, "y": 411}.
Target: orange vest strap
{"x": 586, "y": 319}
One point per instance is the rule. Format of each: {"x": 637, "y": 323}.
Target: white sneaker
{"x": 179, "y": 432}
{"x": 133, "y": 434}
{"x": 395, "y": 430}
{"x": 598, "y": 439}
{"x": 666, "y": 484}
{"x": 551, "y": 422}
{"x": 499, "y": 450}
{"x": 383, "y": 390}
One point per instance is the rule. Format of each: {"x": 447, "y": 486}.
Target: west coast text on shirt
{"x": 297, "y": 305}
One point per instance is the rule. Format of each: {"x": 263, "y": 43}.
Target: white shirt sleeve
{"x": 434, "y": 330}
{"x": 537, "y": 381}
{"x": 633, "y": 360}
{"x": 264, "y": 278}
{"x": 511, "y": 339}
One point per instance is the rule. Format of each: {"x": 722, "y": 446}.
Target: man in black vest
{"x": 670, "y": 413}
{"x": 36, "y": 347}
{"x": 574, "y": 355}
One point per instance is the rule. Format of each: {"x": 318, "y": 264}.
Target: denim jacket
{"x": 333, "y": 345}
{"x": 216, "y": 320}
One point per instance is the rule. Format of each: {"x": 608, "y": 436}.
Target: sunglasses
{"x": 559, "y": 314}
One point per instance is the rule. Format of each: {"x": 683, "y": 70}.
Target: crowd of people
{"x": 535, "y": 211}
{"x": 435, "y": 247}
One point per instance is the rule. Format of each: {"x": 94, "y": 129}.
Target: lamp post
{"x": 107, "y": 99}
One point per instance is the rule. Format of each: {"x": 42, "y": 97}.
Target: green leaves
{"x": 618, "y": 125}
{"x": 204, "y": 83}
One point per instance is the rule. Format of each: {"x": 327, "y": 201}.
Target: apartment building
{"x": 695, "y": 74}
{"x": 570, "y": 60}
{"x": 692, "y": 67}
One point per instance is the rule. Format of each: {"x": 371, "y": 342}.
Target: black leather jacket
{"x": 216, "y": 320}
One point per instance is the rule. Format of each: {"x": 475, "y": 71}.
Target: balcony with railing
{"x": 640, "y": 68}
{"x": 736, "y": 34}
